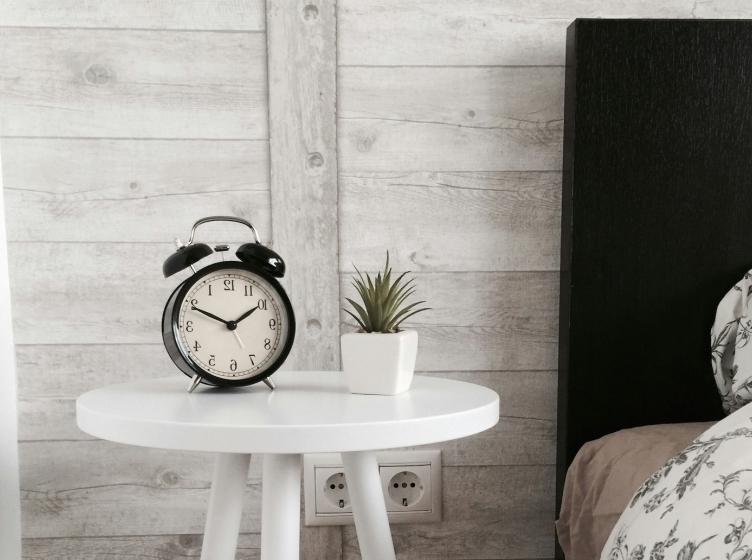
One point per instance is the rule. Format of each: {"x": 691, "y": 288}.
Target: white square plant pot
{"x": 379, "y": 363}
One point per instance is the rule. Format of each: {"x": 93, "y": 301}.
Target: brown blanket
{"x": 603, "y": 477}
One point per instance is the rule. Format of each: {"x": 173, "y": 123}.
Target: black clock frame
{"x": 170, "y": 327}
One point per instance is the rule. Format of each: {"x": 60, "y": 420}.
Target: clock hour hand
{"x": 246, "y": 314}
{"x": 210, "y": 315}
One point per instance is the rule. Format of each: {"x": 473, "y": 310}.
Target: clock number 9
{"x": 272, "y": 324}
{"x": 233, "y": 365}
{"x": 267, "y": 344}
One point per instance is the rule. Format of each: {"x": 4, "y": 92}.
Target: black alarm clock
{"x": 230, "y": 323}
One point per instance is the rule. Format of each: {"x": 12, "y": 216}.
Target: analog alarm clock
{"x": 229, "y": 323}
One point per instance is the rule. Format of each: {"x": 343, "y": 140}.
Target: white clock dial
{"x": 232, "y": 324}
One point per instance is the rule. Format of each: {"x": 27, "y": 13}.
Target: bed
{"x": 656, "y": 227}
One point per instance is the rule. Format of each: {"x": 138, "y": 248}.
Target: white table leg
{"x": 225, "y": 506}
{"x": 369, "y": 509}
{"x": 280, "y": 518}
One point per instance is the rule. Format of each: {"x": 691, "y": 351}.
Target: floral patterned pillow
{"x": 698, "y": 506}
{"x": 731, "y": 349}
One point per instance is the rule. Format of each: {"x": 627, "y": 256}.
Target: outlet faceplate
{"x": 415, "y": 499}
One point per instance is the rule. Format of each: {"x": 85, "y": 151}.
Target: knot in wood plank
{"x": 169, "y": 478}
{"x": 314, "y": 327}
{"x": 365, "y": 142}
{"x": 97, "y": 74}
{"x": 314, "y": 160}
{"x": 310, "y": 12}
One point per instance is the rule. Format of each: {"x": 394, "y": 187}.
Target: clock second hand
{"x": 236, "y": 321}
{"x": 237, "y": 337}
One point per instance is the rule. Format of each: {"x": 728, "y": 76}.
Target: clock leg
{"x": 280, "y": 518}
{"x": 369, "y": 509}
{"x": 194, "y": 383}
{"x": 225, "y": 506}
{"x": 269, "y": 383}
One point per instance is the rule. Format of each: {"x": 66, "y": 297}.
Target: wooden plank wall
{"x": 449, "y": 129}
{"x": 121, "y": 123}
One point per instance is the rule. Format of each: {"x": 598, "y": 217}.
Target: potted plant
{"x": 379, "y": 359}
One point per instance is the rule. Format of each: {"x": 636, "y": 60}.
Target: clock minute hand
{"x": 246, "y": 314}
{"x": 210, "y": 315}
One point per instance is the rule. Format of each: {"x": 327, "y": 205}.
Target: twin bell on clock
{"x": 229, "y": 323}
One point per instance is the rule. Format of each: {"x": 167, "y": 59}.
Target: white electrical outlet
{"x": 411, "y": 481}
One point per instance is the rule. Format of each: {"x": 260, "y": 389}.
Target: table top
{"x": 309, "y": 412}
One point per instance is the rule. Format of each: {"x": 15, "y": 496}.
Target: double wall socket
{"x": 410, "y": 480}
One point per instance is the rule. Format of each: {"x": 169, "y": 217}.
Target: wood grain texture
{"x": 170, "y": 547}
{"x": 93, "y": 83}
{"x": 124, "y": 490}
{"x": 483, "y": 348}
{"x": 450, "y": 119}
{"x": 385, "y": 145}
{"x": 139, "y": 491}
{"x": 135, "y": 492}
{"x": 526, "y": 433}
{"x": 451, "y": 221}
{"x": 489, "y": 513}
{"x": 132, "y": 190}
{"x": 93, "y": 292}
{"x": 488, "y": 32}
{"x": 225, "y": 15}
{"x": 303, "y": 146}
{"x": 471, "y": 97}
{"x": 483, "y": 321}
{"x": 60, "y": 371}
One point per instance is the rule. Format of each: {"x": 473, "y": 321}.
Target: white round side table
{"x": 309, "y": 412}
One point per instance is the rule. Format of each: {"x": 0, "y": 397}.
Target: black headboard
{"x": 657, "y": 218}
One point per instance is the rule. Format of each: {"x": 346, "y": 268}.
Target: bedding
{"x": 604, "y": 475}
{"x": 731, "y": 351}
{"x": 698, "y": 505}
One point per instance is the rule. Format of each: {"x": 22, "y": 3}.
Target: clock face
{"x": 232, "y": 323}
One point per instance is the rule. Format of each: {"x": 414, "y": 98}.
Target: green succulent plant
{"x": 383, "y": 305}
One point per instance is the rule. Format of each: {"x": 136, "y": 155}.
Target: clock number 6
{"x": 233, "y": 365}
